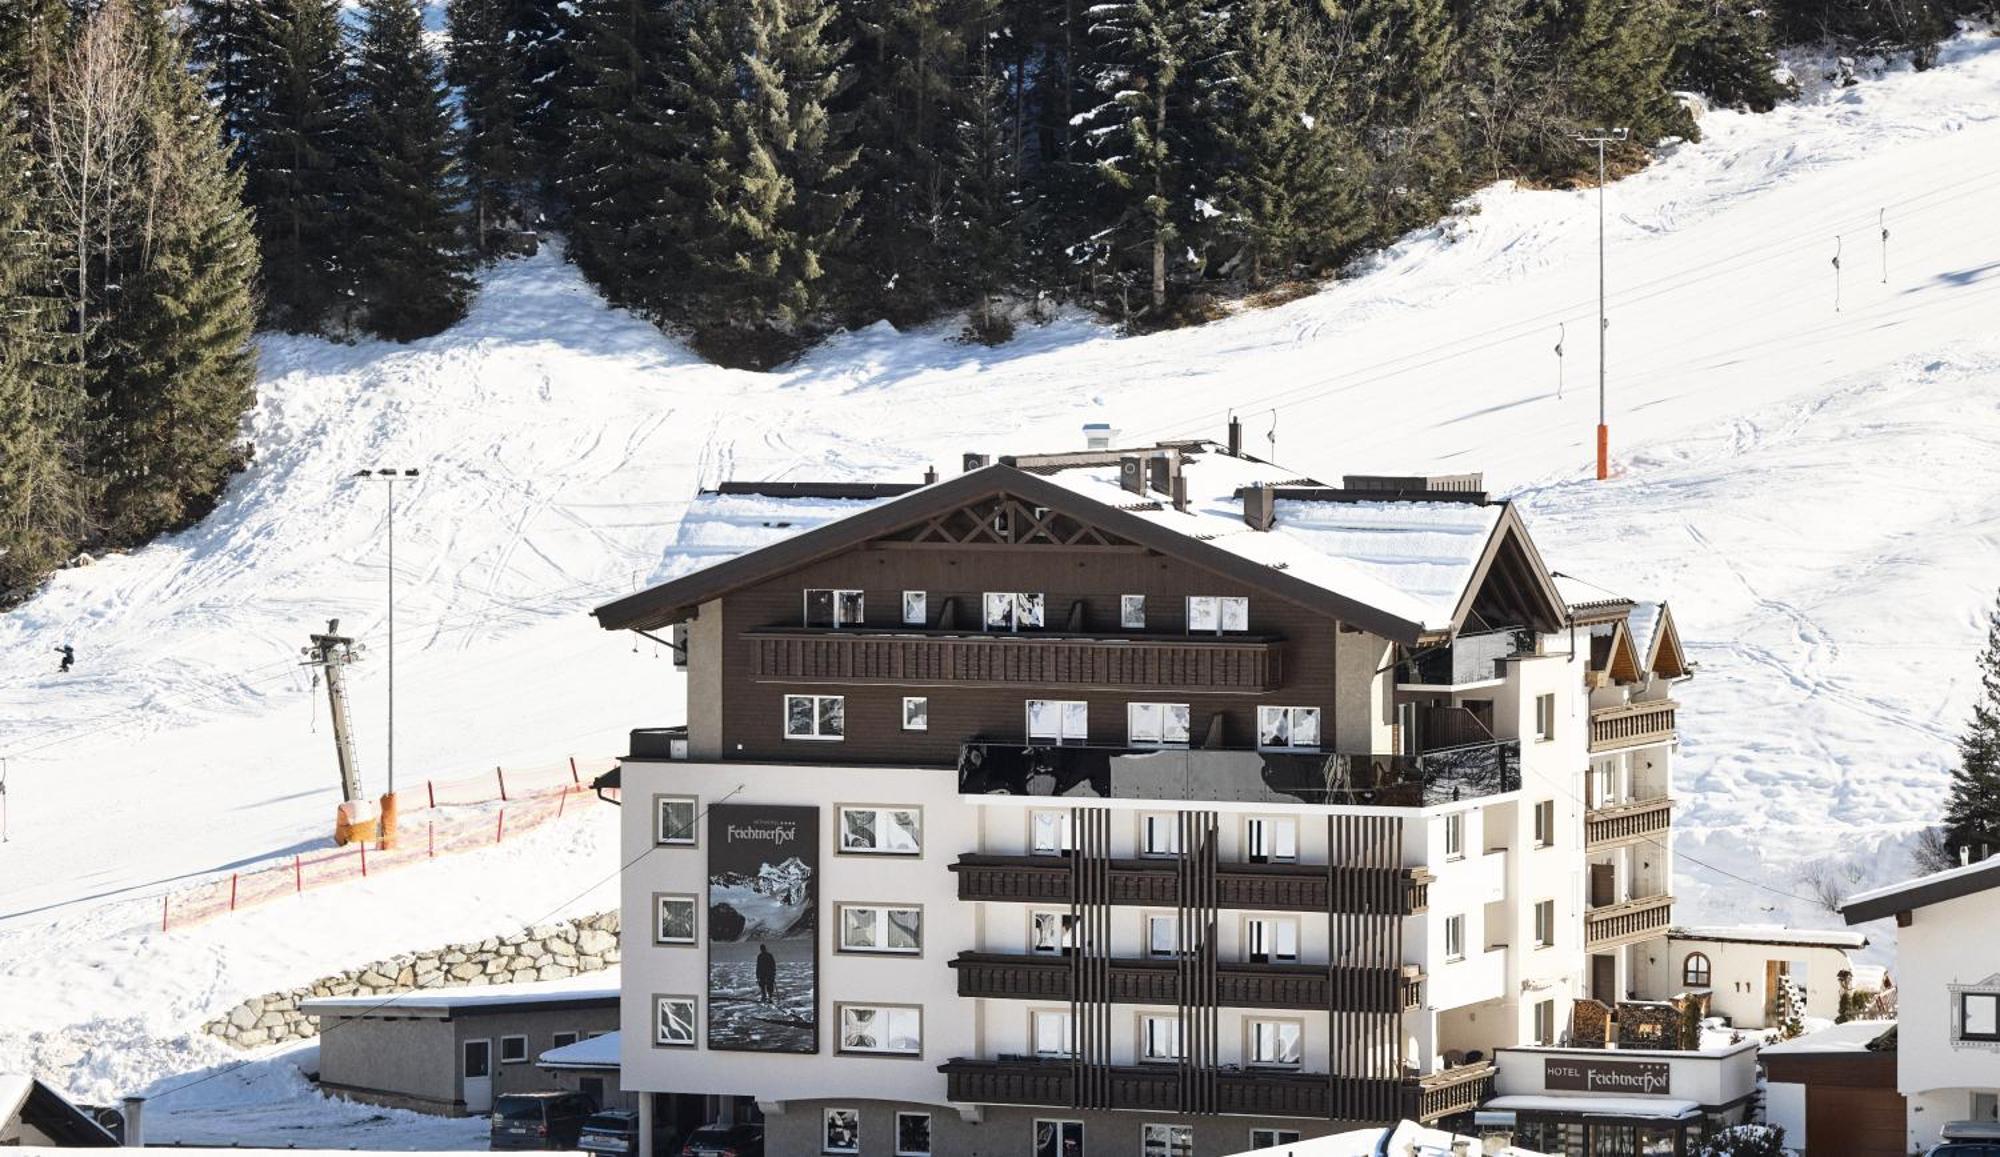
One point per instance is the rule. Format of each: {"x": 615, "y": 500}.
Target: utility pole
{"x": 1601, "y": 138}
{"x": 390, "y": 477}
{"x": 331, "y": 653}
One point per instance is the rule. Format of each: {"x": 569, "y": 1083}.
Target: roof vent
{"x": 1235, "y": 437}
{"x": 1098, "y": 435}
{"x": 1132, "y": 473}
{"x": 974, "y": 462}
{"x": 1260, "y": 506}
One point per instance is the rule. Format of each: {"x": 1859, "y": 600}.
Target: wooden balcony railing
{"x": 1051, "y": 1083}
{"x": 1632, "y": 725}
{"x": 1156, "y": 883}
{"x": 1627, "y": 923}
{"x": 1238, "y": 985}
{"x": 1458, "y": 1090}
{"x": 1625, "y": 823}
{"x": 859, "y": 655}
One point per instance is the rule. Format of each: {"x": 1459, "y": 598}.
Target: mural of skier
{"x": 763, "y": 942}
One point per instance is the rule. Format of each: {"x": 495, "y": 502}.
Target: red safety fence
{"x": 426, "y": 830}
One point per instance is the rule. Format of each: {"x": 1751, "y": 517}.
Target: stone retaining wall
{"x": 543, "y": 952}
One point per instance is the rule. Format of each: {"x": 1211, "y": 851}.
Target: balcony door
{"x": 1604, "y": 977}
{"x": 1603, "y": 885}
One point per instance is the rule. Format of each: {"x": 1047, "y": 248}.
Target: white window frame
{"x": 1545, "y": 824}
{"x": 922, "y": 722}
{"x": 692, "y": 837}
{"x": 1166, "y": 1139}
{"x": 1159, "y": 835}
{"x": 1063, "y": 1126}
{"x": 1013, "y": 610}
{"x": 1545, "y": 1022}
{"x": 1292, "y": 717}
{"x": 1072, "y": 722}
{"x": 556, "y": 1039}
{"x": 1152, "y": 921}
{"x": 662, "y": 1038}
{"x": 1604, "y": 783}
{"x": 929, "y": 1143}
{"x": 1261, "y": 842}
{"x": 839, "y": 618}
{"x": 916, "y": 608}
{"x": 881, "y": 921}
{"x": 1545, "y": 923}
{"x": 1454, "y": 930}
{"x": 1218, "y": 614}
{"x": 1066, "y": 932}
{"x": 1158, "y": 724}
{"x": 1152, "y": 1028}
{"x": 888, "y": 1015}
{"x": 518, "y": 1039}
{"x": 1961, "y": 1016}
{"x": 1253, "y": 1041}
{"x": 825, "y": 1127}
{"x": 660, "y": 902}
{"x": 1259, "y": 928}
{"x": 1132, "y": 612}
{"x": 1051, "y": 821}
{"x": 884, "y": 823}
{"x": 1065, "y": 1022}
{"x": 818, "y": 735}
{"x": 1545, "y": 717}
{"x": 1454, "y": 836}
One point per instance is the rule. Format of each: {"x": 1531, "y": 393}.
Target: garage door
{"x": 1854, "y": 1123}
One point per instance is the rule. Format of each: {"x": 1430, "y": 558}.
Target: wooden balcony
{"x": 1632, "y": 725}
{"x": 1156, "y": 883}
{"x": 1237, "y": 1092}
{"x": 1615, "y": 925}
{"x": 1238, "y": 985}
{"x": 1627, "y": 823}
{"x": 1133, "y": 662}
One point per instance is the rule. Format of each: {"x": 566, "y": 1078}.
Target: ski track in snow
{"x": 1816, "y": 492}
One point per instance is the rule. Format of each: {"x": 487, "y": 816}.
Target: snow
{"x": 597, "y": 1052}
{"x": 1770, "y": 934}
{"x": 602, "y": 985}
{"x": 1852, "y": 1036}
{"x": 1427, "y": 550}
{"x": 1405, "y": 1139}
{"x": 1816, "y": 494}
{"x": 1989, "y": 866}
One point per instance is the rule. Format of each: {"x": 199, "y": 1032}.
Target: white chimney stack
{"x": 135, "y": 1130}
{"x": 1098, "y": 435}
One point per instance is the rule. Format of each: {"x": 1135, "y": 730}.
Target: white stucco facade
{"x": 1951, "y": 949}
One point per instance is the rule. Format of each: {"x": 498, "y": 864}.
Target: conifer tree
{"x": 1723, "y": 49}
{"x": 481, "y": 64}
{"x": 984, "y": 219}
{"x": 408, "y": 240}
{"x": 1972, "y": 813}
{"x": 222, "y": 35}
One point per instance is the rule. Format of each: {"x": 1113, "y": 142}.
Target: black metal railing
{"x": 1214, "y": 775}
{"x": 1469, "y": 658}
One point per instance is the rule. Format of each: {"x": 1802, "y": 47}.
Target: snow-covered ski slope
{"x": 1816, "y": 491}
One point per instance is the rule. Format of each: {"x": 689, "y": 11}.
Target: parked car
{"x": 539, "y": 1120}
{"x": 725, "y": 1141}
{"x": 611, "y": 1133}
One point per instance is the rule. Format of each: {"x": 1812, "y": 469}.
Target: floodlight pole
{"x": 1600, "y": 138}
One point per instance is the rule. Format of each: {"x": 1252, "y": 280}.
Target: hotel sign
{"x": 1590, "y": 1075}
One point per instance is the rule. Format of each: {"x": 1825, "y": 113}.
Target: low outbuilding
{"x": 1834, "y": 1091}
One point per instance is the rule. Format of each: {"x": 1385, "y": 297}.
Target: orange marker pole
{"x": 1603, "y": 451}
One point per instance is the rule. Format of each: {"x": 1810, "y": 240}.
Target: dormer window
{"x": 833, "y": 608}
{"x": 1217, "y": 614}
{"x": 1011, "y": 611}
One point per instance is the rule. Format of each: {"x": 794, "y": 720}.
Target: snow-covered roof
{"x": 596, "y": 986}
{"x": 1591, "y": 1105}
{"x": 721, "y": 526}
{"x": 1404, "y": 1139}
{"x": 14, "y": 1090}
{"x": 596, "y": 1052}
{"x": 1853, "y": 1036}
{"x": 1770, "y": 934}
{"x": 1643, "y": 621}
{"x": 1949, "y": 884}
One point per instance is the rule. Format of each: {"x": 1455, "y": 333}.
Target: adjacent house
{"x": 1155, "y": 801}
{"x": 589, "y": 1066}
{"x": 453, "y": 1050}
{"x": 1833, "y": 1092}
{"x": 32, "y": 1113}
{"x": 1948, "y": 994}
{"x": 1743, "y": 970}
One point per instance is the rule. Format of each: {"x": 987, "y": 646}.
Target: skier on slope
{"x": 68, "y": 654}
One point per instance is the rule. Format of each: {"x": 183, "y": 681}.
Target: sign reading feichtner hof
{"x": 1589, "y": 1075}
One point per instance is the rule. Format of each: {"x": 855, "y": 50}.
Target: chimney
{"x": 135, "y": 1133}
{"x": 1098, "y": 435}
{"x": 1132, "y": 473}
{"x": 1235, "y": 437}
{"x": 1160, "y": 472}
{"x": 1180, "y": 491}
{"x": 930, "y": 475}
{"x": 974, "y": 462}
{"x": 1260, "y": 506}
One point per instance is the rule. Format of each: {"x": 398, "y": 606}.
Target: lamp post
{"x": 390, "y": 477}
{"x": 1600, "y": 138}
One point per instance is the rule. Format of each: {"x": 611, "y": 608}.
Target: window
{"x": 1160, "y": 835}
{"x": 1210, "y": 615}
{"x": 1545, "y": 923}
{"x": 1058, "y": 720}
{"x": 1979, "y": 1016}
{"x": 1271, "y": 839}
{"x": 564, "y": 1039}
{"x": 675, "y": 825}
{"x": 916, "y": 713}
{"x": 1132, "y": 612}
{"x": 1602, "y": 779}
{"x": 1162, "y": 935}
{"x": 1055, "y": 1032}
{"x": 841, "y": 1132}
{"x": 1159, "y": 1037}
{"x": 875, "y": 928}
{"x": 1545, "y": 823}
{"x": 1049, "y": 833}
{"x": 1051, "y": 933}
{"x": 882, "y": 831}
{"x": 1267, "y": 1138}
{"x": 673, "y": 1022}
{"x": 1156, "y": 723}
{"x": 1545, "y": 717}
{"x": 1545, "y": 1022}
{"x": 913, "y": 1134}
{"x": 1276, "y": 1042}
{"x": 1695, "y": 971}
{"x": 1166, "y": 1141}
{"x": 882, "y": 1028}
{"x": 1288, "y": 728}
{"x": 833, "y": 608}
{"x": 674, "y": 919}
{"x": 815, "y": 716}
{"x": 1985, "y": 1107}
{"x": 1058, "y": 1139}
{"x": 1271, "y": 939}
{"x": 1454, "y": 836}
{"x": 1013, "y": 612}
{"x": 1454, "y": 938}
{"x": 513, "y": 1050}
{"x": 916, "y": 608}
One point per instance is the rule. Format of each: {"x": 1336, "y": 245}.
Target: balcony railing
{"x": 1052, "y": 1083}
{"x": 890, "y": 655}
{"x": 1237, "y": 984}
{"x": 1473, "y": 658}
{"x": 1156, "y": 883}
{"x": 1632, "y": 725}
{"x": 1627, "y": 923}
{"x": 1215, "y": 775}
{"x": 1626, "y": 823}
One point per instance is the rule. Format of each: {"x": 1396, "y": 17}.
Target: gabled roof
{"x": 1901, "y": 899}
{"x": 1612, "y": 654}
{"x": 1660, "y": 646}
{"x": 596, "y": 1052}
{"x": 28, "y": 1103}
